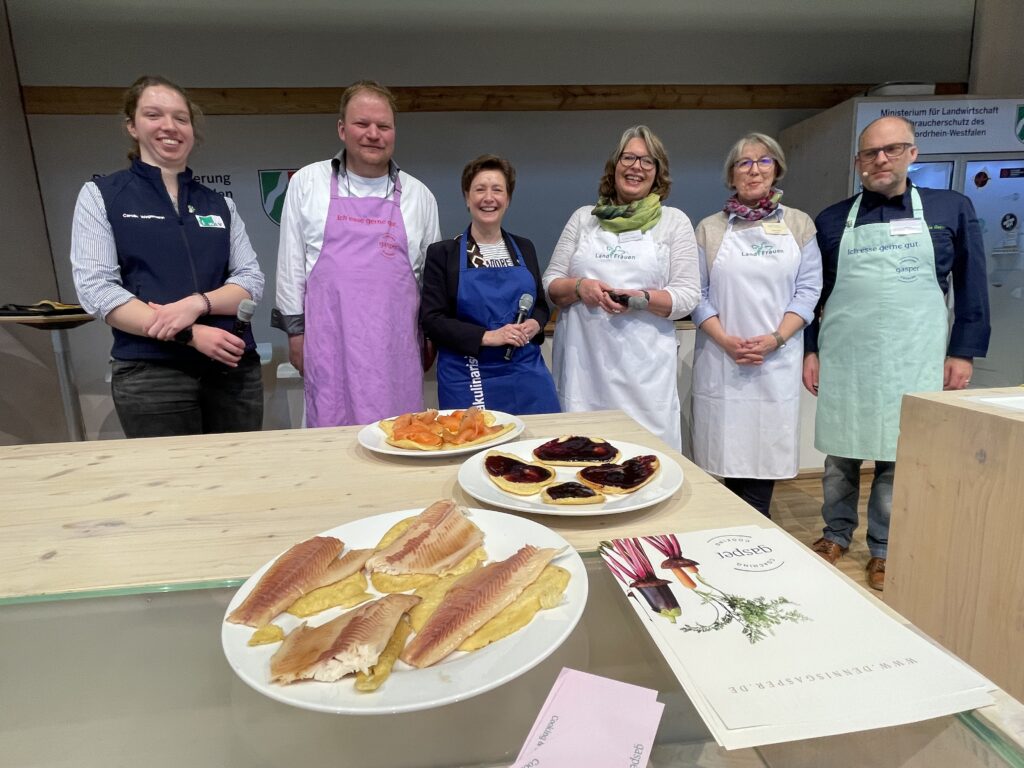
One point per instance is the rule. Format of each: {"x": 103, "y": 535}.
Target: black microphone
{"x": 243, "y": 320}
{"x": 525, "y": 305}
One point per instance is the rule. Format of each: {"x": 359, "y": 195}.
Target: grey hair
{"x": 774, "y": 151}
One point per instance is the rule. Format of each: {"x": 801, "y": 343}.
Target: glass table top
{"x": 140, "y": 679}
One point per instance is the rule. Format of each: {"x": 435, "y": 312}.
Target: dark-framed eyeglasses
{"x": 745, "y": 164}
{"x": 628, "y": 159}
{"x": 890, "y": 150}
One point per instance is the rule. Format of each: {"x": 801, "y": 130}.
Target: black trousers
{"x": 157, "y": 400}
{"x": 756, "y": 492}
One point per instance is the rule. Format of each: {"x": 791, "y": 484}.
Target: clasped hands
{"x": 514, "y": 334}
{"x": 168, "y": 320}
{"x": 597, "y": 293}
{"x": 750, "y": 351}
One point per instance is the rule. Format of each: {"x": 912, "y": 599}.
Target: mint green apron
{"x": 883, "y": 334}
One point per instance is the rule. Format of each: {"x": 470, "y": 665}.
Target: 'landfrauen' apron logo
{"x": 907, "y": 269}
{"x": 764, "y": 249}
{"x": 616, "y": 253}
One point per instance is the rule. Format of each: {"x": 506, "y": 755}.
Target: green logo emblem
{"x": 273, "y": 185}
{"x": 1018, "y": 125}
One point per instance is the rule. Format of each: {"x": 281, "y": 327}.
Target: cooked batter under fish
{"x": 437, "y": 540}
{"x": 306, "y": 566}
{"x": 350, "y": 643}
{"x": 472, "y": 601}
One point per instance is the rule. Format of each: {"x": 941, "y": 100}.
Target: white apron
{"x": 746, "y": 417}
{"x": 626, "y": 361}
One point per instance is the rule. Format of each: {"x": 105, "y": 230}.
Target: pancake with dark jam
{"x": 512, "y": 474}
{"x": 576, "y": 451}
{"x": 571, "y": 493}
{"x": 626, "y": 477}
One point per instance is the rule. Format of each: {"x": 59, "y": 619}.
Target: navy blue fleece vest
{"x": 165, "y": 255}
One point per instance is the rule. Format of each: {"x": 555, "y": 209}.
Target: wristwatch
{"x": 638, "y": 302}
{"x": 184, "y": 336}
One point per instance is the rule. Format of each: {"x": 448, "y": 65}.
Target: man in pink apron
{"x": 354, "y": 234}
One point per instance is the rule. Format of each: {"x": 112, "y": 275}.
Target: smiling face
{"x": 162, "y": 126}
{"x": 634, "y": 182}
{"x": 487, "y": 199}
{"x": 368, "y": 131}
{"x": 883, "y": 174}
{"x": 754, "y": 183}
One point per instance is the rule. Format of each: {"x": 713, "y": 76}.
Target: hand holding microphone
{"x": 243, "y": 320}
{"x": 525, "y": 305}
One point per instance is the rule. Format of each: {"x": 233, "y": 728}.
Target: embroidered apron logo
{"x": 907, "y": 269}
{"x": 616, "y": 253}
{"x": 764, "y": 249}
{"x": 387, "y": 245}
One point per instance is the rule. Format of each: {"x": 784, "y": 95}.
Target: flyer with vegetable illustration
{"x": 773, "y": 644}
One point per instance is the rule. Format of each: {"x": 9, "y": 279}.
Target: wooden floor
{"x": 796, "y": 506}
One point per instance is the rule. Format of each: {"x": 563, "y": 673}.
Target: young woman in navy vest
{"x": 165, "y": 262}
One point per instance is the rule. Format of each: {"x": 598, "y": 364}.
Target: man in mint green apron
{"x": 883, "y": 333}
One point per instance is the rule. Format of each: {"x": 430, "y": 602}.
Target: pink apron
{"x": 362, "y": 344}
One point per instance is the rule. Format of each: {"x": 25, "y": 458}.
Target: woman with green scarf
{"x": 622, "y": 271}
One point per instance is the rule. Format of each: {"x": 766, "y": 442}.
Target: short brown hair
{"x": 662, "y": 179}
{"x": 489, "y": 163}
{"x": 366, "y": 86}
{"x": 131, "y": 104}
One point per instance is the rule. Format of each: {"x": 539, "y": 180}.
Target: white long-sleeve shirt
{"x": 305, "y": 216}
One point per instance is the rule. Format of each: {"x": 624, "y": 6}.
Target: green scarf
{"x": 640, "y": 214}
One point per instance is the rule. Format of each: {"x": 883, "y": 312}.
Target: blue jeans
{"x": 841, "y": 490}
{"x": 154, "y": 399}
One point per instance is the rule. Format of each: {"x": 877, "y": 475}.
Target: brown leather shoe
{"x": 876, "y": 573}
{"x": 828, "y": 549}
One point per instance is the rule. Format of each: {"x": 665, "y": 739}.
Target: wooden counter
{"x": 175, "y": 510}
{"x": 955, "y": 567}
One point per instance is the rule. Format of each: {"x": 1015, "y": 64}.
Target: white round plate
{"x": 373, "y": 438}
{"x": 456, "y": 678}
{"x": 473, "y": 479}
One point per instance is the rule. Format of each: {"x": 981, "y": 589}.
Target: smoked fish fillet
{"x": 439, "y": 538}
{"x": 473, "y": 601}
{"x": 350, "y": 643}
{"x": 308, "y": 565}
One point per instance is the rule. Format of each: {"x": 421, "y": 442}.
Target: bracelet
{"x": 781, "y": 342}
{"x": 578, "y": 297}
{"x": 209, "y": 306}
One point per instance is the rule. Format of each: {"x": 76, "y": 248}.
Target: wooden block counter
{"x": 956, "y": 566}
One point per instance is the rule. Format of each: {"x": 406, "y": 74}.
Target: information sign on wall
{"x": 947, "y": 126}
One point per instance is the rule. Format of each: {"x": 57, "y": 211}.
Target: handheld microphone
{"x": 525, "y": 305}
{"x": 243, "y": 320}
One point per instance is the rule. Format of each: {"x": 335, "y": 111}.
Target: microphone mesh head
{"x": 246, "y": 309}
{"x": 525, "y": 302}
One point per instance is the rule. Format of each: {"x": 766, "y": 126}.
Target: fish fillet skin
{"x": 301, "y": 569}
{"x": 474, "y": 600}
{"x": 350, "y": 643}
{"x": 439, "y": 539}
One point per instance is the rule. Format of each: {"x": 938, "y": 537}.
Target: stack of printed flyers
{"x": 592, "y": 721}
{"x": 771, "y": 643}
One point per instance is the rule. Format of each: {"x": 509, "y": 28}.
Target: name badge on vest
{"x": 905, "y": 227}
{"x": 213, "y": 220}
{"x": 775, "y": 228}
{"x": 631, "y": 236}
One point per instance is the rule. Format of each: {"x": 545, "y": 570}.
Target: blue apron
{"x": 489, "y": 296}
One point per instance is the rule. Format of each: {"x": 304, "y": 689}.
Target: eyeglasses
{"x": 890, "y": 150}
{"x": 646, "y": 161}
{"x": 764, "y": 163}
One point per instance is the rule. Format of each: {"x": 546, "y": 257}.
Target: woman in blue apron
{"x": 483, "y": 306}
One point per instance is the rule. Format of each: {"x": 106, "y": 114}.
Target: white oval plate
{"x": 461, "y": 675}
{"x": 373, "y": 438}
{"x": 473, "y": 479}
